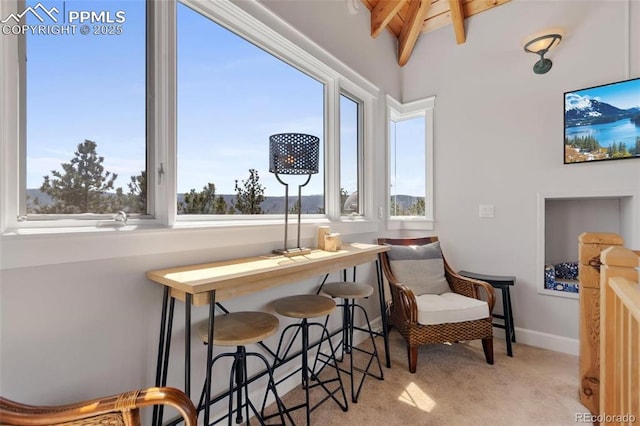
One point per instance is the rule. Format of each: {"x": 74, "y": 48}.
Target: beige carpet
{"x": 454, "y": 385}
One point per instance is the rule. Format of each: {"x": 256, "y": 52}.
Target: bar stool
{"x": 305, "y": 307}
{"x": 349, "y": 292}
{"x": 239, "y": 329}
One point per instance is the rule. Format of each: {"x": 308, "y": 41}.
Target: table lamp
{"x": 293, "y": 154}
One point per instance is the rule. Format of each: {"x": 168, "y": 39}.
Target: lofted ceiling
{"x": 407, "y": 19}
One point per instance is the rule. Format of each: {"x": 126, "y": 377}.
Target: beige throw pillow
{"x": 420, "y": 268}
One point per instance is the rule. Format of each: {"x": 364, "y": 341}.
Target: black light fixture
{"x": 540, "y": 45}
{"x": 293, "y": 154}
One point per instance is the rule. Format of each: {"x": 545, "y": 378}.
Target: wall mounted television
{"x": 602, "y": 122}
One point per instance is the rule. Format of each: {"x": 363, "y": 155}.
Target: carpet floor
{"x": 454, "y": 385}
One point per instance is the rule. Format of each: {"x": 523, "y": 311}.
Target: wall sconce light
{"x": 293, "y": 154}
{"x": 540, "y": 45}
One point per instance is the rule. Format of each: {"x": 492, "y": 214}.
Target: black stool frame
{"x": 348, "y": 327}
{"x": 309, "y": 373}
{"x": 239, "y": 382}
{"x": 502, "y": 283}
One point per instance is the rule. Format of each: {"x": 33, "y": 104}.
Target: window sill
{"x": 557, "y": 293}
{"x": 410, "y": 224}
{"x": 35, "y": 246}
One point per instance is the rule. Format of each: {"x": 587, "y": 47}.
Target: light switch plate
{"x": 485, "y": 210}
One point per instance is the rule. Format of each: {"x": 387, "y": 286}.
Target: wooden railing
{"x": 619, "y": 337}
{"x": 590, "y": 247}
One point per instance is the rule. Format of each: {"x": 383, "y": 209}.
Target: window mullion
{"x": 332, "y": 149}
{"x": 429, "y": 175}
{"x": 11, "y": 85}
{"x": 162, "y": 144}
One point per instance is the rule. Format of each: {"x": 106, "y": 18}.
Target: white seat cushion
{"x": 449, "y": 307}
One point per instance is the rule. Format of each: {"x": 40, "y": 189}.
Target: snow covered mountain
{"x": 584, "y": 111}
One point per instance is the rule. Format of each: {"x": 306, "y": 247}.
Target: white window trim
{"x": 63, "y": 241}
{"x": 397, "y": 111}
{"x": 367, "y": 104}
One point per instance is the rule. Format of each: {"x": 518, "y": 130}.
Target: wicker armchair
{"x": 404, "y": 312}
{"x": 116, "y": 410}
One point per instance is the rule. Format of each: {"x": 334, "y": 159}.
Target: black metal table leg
{"x": 164, "y": 346}
{"x": 212, "y": 311}
{"x": 187, "y": 344}
{"x": 383, "y": 312}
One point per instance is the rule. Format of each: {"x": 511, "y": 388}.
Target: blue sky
{"x": 231, "y": 97}
{"x": 87, "y": 87}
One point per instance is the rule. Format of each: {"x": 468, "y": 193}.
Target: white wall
{"x": 78, "y": 318}
{"x": 499, "y": 137}
{"x": 565, "y": 220}
{"x": 346, "y": 36}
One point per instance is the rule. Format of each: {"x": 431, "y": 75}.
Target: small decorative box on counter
{"x": 332, "y": 242}
{"x": 322, "y": 231}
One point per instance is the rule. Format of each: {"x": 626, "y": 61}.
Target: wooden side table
{"x": 502, "y": 283}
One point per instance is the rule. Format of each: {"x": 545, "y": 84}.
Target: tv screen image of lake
{"x": 606, "y": 134}
{"x": 602, "y": 123}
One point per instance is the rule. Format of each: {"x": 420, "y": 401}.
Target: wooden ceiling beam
{"x": 411, "y": 29}
{"x": 383, "y": 13}
{"x": 469, "y": 8}
{"x": 457, "y": 19}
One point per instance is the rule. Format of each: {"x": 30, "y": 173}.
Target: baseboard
{"x": 542, "y": 340}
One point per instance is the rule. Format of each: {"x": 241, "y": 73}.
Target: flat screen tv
{"x": 602, "y": 122}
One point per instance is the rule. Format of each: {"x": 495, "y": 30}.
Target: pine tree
{"x": 202, "y": 202}
{"x": 295, "y": 208}
{"x": 417, "y": 208}
{"x": 220, "y": 206}
{"x": 81, "y": 186}
{"x": 137, "y": 197}
{"x": 250, "y": 195}
{"x": 396, "y": 209}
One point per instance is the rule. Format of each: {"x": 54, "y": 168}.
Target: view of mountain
{"x": 583, "y": 111}
{"x": 311, "y": 204}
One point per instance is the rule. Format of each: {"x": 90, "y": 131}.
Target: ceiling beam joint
{"x": 383, "y": 13}
{"x": 411, "y": 29}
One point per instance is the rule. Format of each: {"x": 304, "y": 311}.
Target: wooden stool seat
{"x": 240, "y": 328}
{"x": 347, "y": 290}
{"x": 304, "y": 306}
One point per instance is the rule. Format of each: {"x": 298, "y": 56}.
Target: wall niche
{"x": 563, "y": 220}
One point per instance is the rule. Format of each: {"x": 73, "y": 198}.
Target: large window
{"x": 85, "y": 108}
{"x": 169, "y": 123}
{"x": 232, "y": 96}
{"x": 410, "y": 153}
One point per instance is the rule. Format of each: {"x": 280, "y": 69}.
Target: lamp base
{"x": 542, "y": 66}
{"x": 296, "y": 251}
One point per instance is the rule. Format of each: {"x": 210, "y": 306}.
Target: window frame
{"x": 298, "y": 51}
{"x": 397, "y": 111}
{"x": 360, "y": 186}
{"x": 13, "y": 194}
